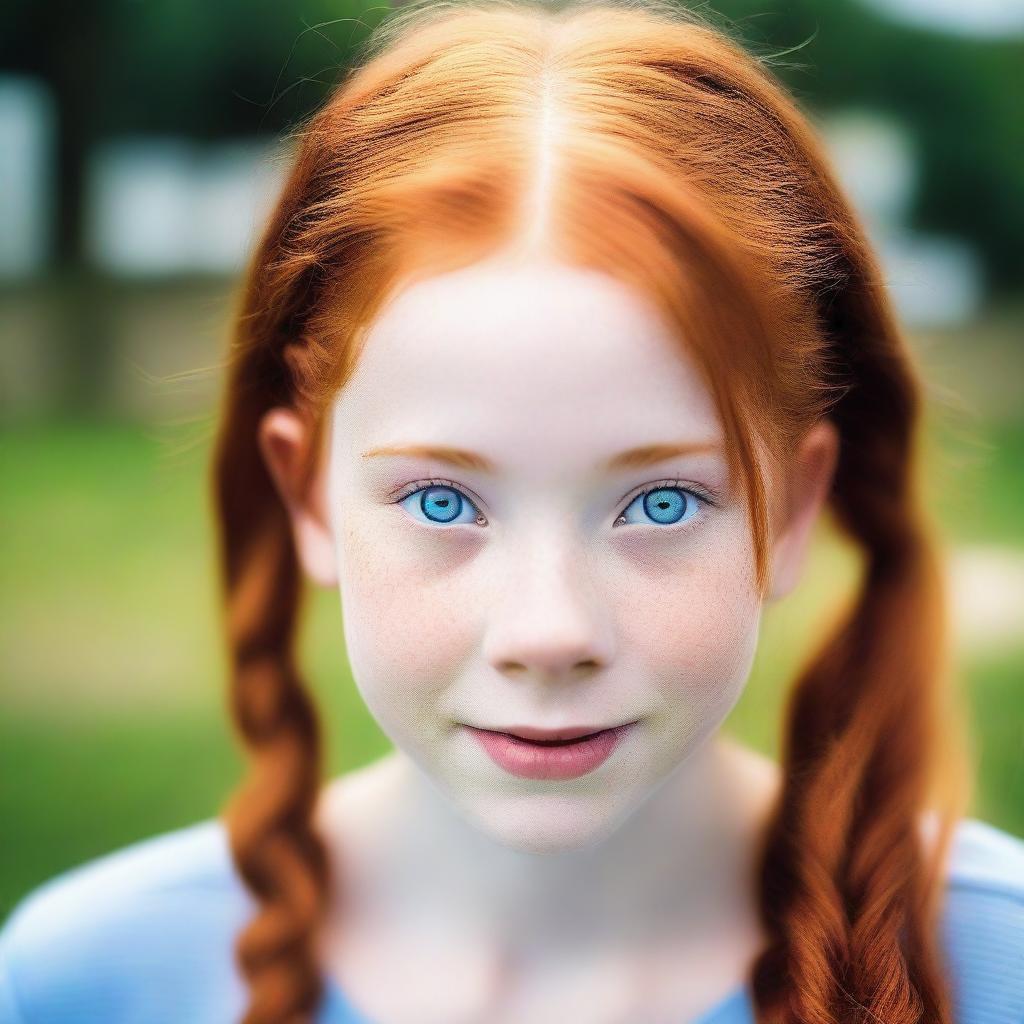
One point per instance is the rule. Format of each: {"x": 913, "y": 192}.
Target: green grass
{"x": 113, "y": 724}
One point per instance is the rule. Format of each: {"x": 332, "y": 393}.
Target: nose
{"x": 550, "y": 621}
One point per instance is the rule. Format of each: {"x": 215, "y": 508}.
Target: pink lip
{"x": 534, "y": 760}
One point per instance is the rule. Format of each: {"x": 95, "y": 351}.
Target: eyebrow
{"x": 633, "y": 458}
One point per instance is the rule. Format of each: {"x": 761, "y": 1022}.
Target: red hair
{"x": 639, "y": 140}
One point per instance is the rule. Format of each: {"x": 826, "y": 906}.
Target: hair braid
{"x": 844, "y": 882}
{"x": 276, "y": 851}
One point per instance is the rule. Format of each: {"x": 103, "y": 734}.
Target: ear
{"x": 805, "y": 486}
{"x": 284, "y": 440}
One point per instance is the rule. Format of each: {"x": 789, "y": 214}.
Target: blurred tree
{"x": 188, "y": 67}
{"x": 959, "y": 97}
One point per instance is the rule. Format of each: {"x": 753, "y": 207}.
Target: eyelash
{"x": 706, "y": 496}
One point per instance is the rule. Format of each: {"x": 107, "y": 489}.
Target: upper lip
{"x": 528, "y": 732}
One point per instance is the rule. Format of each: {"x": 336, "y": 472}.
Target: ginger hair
{"x": 638, "y": 139}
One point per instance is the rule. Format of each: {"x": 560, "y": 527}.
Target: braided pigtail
{"x": 275, "y": 849}
{"x": 847, "y": 892}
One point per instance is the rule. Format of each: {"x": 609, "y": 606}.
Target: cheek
{"x": 408, "y": 627}
{"x": 692, "y": 614}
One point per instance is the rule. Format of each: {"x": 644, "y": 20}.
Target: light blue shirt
{"x": 145, "y": 934}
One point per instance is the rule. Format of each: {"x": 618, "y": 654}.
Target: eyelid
{"x": 437, "y": 481}
{"x": 702, "y": 491}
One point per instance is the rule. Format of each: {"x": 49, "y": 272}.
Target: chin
{"x": 551, "y": 823}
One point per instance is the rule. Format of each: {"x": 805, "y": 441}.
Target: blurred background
{"x": 141, "y": 145}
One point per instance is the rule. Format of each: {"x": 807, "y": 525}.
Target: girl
{"x": 558, "y": 342}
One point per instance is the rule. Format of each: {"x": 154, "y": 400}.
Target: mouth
{"x": 543, "y": 736}
{"x": 566, "y": 757}
{"x": 554, "y": 737}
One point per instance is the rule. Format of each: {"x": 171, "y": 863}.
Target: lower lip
{"x": 569, "y": 760}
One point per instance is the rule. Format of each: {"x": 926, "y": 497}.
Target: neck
{"x": 679, "y": 870}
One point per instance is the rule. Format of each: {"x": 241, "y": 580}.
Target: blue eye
{"x": 664, "y": 505}
{"x": 441, "y": 504}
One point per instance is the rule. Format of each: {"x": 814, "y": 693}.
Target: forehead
{"x": 539, "y": 346}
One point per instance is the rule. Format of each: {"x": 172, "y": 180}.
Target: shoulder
{"x": 983, "y": 923}
{"x": 144, "y": 933}
{"x": 986, "y": 857}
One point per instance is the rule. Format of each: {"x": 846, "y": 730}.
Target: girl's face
{"x": 499, "y": 563}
